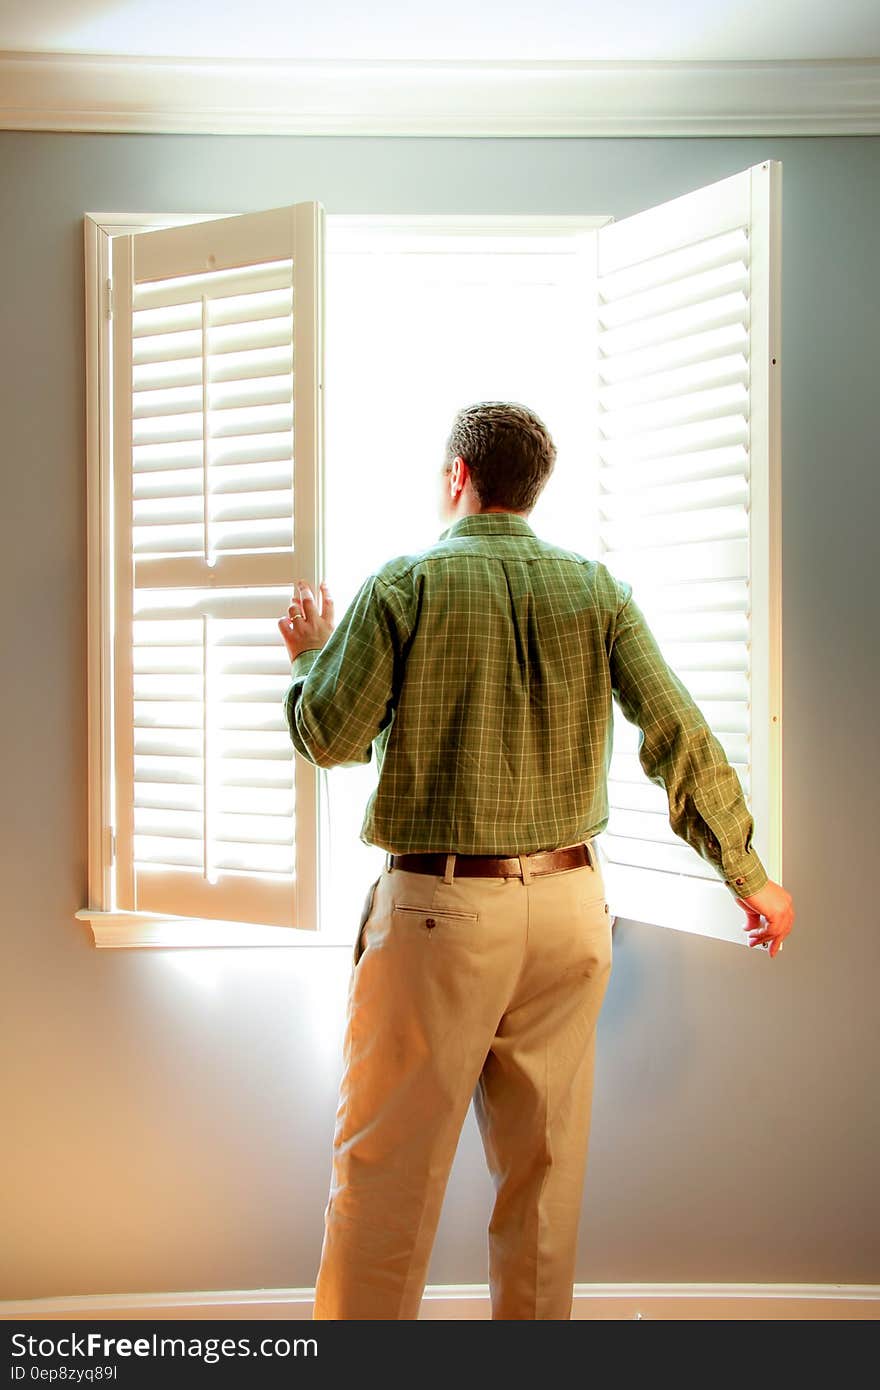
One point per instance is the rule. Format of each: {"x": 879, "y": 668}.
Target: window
{"x": 651, "y": 347}
{"x": 424, "y": 315}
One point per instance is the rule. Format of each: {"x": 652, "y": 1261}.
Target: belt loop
{"x": 591, "y": 853}
{"x": 524, "y": 868}
{"x": 388, "y": 857}
{"x": 450, "y": 868}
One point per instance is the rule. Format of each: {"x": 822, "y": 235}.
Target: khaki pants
{"x": 466, "y": 988}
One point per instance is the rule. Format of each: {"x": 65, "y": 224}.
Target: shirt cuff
{"x": 303, "y": 662}
{"x": 749, "y": 877}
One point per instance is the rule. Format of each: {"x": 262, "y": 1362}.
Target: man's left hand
{"x": 306, "y": 628}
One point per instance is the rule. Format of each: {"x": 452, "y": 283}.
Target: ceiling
{"x": 442, "y": 67}
{"x": 557, "y": 30}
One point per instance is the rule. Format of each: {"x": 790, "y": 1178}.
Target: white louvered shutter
{"x": 217, "y": 440}
{"x": 688, "y": 461}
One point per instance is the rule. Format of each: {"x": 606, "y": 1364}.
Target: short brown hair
{"x": 508, "y": 450}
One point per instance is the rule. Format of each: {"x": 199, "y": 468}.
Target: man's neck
{"x": 484, "y": 511}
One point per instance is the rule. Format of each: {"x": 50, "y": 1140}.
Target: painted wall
{"x": 169, "y": 1114}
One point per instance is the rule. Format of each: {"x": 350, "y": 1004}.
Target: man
{"x": 483, "y": 670}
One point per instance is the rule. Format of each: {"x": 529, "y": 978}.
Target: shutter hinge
{"x": 108, "y": 298}
{"x": 111, "y": 844}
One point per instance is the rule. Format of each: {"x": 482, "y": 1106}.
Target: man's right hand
{"x": 770, "y": 915}
{"x": 305, "y": 629}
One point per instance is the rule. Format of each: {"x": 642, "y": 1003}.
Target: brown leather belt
{"x": 550, "y": 861}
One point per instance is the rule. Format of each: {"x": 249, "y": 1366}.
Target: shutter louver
{"x": 677, "y": 290}
{"x": 186, "y": 509}
{"x": 219, "y": 396}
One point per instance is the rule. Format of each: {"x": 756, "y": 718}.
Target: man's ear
{"x": 459, "y": 473}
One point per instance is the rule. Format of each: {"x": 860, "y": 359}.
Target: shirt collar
{"x": 489, "y": 523}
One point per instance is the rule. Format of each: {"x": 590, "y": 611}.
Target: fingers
{"x": 305, "y": 626}
{"x": 763, "y": 933}
{"x": 766, "y": 932}
{"x": 304, "y": 604}
{"x": 307, "y": 601}
{"x": 772, "y": 937}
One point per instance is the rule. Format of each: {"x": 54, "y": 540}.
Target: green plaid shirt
{"x": 482, "y": 670}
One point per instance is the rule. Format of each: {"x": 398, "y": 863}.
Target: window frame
{"x": 124, "y": 929}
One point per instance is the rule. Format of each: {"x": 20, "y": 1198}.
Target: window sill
{"x": 703, "y": 907}
{"x": 129, "y": 930}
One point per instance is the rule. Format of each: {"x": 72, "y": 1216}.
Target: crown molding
{"x": 99, "y": 92}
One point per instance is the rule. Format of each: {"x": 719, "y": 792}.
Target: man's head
{"x": 499, "y": 455}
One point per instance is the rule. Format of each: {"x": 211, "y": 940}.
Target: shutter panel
{"x": 217, "y": 436}
{"x": 687, "y": 305}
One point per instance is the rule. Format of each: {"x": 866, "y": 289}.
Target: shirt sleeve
{"x": 343, "y": 694}
{"x": 678, "y": 751}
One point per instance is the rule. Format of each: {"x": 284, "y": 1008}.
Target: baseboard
{"x": 457, "y": 1302}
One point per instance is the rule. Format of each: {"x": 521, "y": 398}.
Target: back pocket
{"x": 431, "y": 917}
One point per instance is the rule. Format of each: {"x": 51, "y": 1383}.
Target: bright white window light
{"x": 416, "y": 328}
